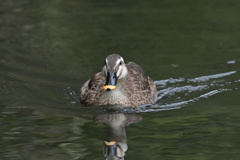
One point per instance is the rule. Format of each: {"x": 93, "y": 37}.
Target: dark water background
{"x": 48, "y": 49}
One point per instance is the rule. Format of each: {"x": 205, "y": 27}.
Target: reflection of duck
{"x": 115, "y": 144}
{"x": 119, "y": 84}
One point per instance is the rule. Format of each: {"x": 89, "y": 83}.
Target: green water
{"x": 48, "y": 49}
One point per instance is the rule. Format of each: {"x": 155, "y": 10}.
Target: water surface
{"x": 49, "y": 49}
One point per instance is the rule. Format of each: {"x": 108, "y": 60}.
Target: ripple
{"x": 71, "y": 95}
{"x": 207, "y": 78}
{"x": 231, "y": 62}
{"x": 170, "y": 80}
{"x": 174, "y": 90}
{"x": 177, "y": 93}
{"x": 172, "y": 93}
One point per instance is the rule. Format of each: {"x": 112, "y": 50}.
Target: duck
{"x": 119, "y": 83}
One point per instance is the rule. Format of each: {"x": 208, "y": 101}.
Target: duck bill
{"x": 111, "y": 81}
{"x": 110, "y": 148}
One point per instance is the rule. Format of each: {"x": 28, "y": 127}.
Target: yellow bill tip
{"x": 109, "y": 87}
{"x": 110, "y": 143}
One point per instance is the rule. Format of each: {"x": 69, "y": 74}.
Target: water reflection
{"x": 115, "y": 142}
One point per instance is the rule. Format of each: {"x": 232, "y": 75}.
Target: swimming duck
{"x": 119, "y": 83}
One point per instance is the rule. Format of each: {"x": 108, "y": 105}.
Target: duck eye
{"x": 120, "y": 63}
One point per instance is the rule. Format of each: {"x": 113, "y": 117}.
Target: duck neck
{"x": 120, "y": 83}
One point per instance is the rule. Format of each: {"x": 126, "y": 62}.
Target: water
{"x": 49, "y": 49}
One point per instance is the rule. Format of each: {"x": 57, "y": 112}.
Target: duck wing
{"x": 92, "y": 89}
{"x": 139, "y": 87}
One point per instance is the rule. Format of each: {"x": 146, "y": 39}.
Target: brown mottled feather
{"x": 93, "y": 89}
{"x": 138, "y": 88}
{"x": 143, "y": 89}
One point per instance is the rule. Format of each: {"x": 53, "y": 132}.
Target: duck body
{"x": 129, "y": 87}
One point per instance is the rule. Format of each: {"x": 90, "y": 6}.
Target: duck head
{"x": 114, "y": 70}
